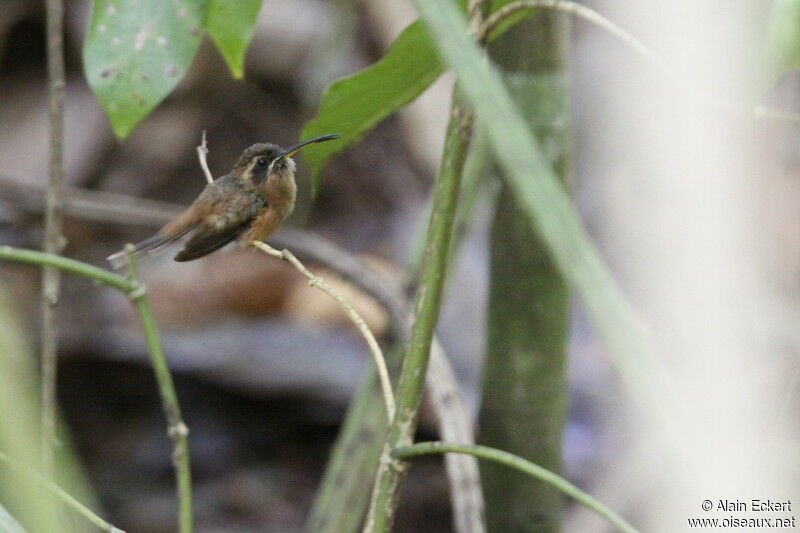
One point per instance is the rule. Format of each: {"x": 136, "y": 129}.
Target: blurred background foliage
{"x": 266, "y": 366}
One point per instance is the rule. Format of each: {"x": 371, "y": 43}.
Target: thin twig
{"x": 202, "y": 152}
{"x": 53, "y": 240}
{"x": 476, "y": 10}
{"x": 592, "y": 16}
{"x": 522, "y": 465}
{"x": 176, "y": 428}
{"x": 391, "y": 471}
{"x": 137, "y": 293}
{"x": 62, "y": 495}
{"x": 375, "y": 350}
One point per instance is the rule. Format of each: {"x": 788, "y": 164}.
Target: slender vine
{"x": 53, "y": 240}
{"x": 518, "y": 463}
{"x": 137, "y": 293}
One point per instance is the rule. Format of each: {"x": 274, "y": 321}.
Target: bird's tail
{"x": 150, "y": 246}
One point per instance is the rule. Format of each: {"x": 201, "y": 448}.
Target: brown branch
{"x": 53, "y": 240}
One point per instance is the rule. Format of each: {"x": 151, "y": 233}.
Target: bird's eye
{"x": 262, "y": 162}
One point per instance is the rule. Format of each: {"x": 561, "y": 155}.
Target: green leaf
{"x": 231, "y": 24}
{"x": 135, "y": 53}
{"x": 353, "y": 105}
{"x": 8, "y": 524}
{"x": 783, "y": 38}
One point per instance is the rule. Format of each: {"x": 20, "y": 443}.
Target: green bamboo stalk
{"x": 521, "y": 465}
{"x": 137, "y": 293}
{"x": 524, "y": 378}
{"x": 61, "y": 494}
{"x": 427, "y": 302}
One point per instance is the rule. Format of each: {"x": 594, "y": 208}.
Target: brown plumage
{"x": 246, "y": 205}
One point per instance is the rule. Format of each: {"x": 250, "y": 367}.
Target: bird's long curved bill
{"x": 289, "y": 152}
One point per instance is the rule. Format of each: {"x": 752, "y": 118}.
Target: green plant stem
{"x": 62, "y": 495}
{"x": 524, "y": 399}
{"x": 550, "y": 213}
{"x": 53, "y": 240}
{"x": 137, "y": 293}
{"x": 475, "y": 184}
{"x": 65, "y": 264}
{"x": 520, "y": 464}
{"x": 427, "y": 303}
{"x": 177, "y": 429}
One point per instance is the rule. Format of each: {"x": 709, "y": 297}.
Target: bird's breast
{"x": 280, "y": 193}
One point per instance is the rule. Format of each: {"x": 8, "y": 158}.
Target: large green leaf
{"x": 136, "y": 51}
{"x": 353, "y": 105}
{"x": 783, "y": 38}
{"x": 231, "y": 24}
{"x": 9, "y": 524}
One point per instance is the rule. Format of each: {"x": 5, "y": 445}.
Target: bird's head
{"x": 261, "y": 160}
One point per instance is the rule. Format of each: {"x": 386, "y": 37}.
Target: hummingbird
{"x": 246, "y": 205}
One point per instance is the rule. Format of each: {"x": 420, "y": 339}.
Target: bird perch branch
{"x": 375, "y": 350}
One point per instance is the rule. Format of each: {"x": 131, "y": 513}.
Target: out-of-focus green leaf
{"x": 783, "y": 38}
{"x": 8, "y": 524}
{"x": 353, "y": 105}
{"x": 231, "y": 24}
{"x": 136, "y": 51}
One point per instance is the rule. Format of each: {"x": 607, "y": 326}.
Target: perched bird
{"x": 246, "y": 205}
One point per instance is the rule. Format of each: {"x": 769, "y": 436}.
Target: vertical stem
{"x": 524, "y": 388}
{"x": 427, "y": 302}
{"x": 53, "y": 240}
{"x": 176, "y": 428}
{"x": 391, "y": 470}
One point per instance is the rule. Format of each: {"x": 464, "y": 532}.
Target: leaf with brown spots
{"x": 137, "y": 51}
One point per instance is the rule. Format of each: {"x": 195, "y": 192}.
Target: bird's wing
{"x": 232, "y": 210}
{"x": 204, "y": 241}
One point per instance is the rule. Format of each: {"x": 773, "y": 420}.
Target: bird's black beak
{"x": 289, "y": 152}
